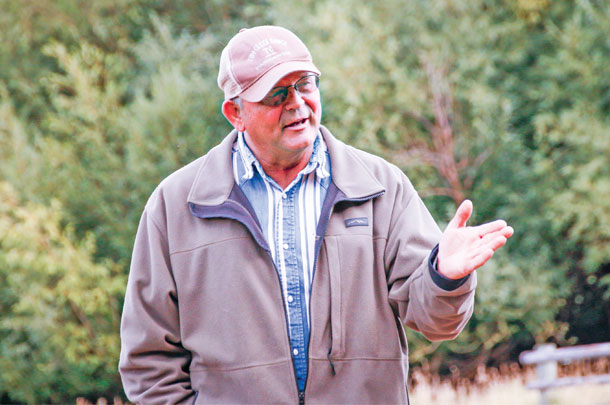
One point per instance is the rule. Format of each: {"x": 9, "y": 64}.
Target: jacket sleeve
{"x": 424, "y": 301}
{"x": 153, "y": 364}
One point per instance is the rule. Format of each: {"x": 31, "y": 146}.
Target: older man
{"x": 281, "y": 266}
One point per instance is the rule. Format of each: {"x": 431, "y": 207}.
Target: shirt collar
{"x": 318, "y": 160}
{"x": 352, "y": 173}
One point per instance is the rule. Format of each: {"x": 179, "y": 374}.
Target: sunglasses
{"x": 305, "y": 85}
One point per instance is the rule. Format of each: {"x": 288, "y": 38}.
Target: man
{"x": 281, "y": 266}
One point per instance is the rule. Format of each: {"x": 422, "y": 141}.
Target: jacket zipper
{"x": 294, "y": 372}
{"x": 277, "y": 273}
{"x": 301, "y": 394}
{"x": 265, "y": 246}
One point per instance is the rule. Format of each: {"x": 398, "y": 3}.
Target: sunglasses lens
{"x": 275, "y": 97}
{"x": 308, "y": 84}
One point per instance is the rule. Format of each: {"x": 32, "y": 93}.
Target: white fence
{"x": 546, "y": 358}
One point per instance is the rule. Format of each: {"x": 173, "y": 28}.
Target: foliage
{"x": 59, "y": 309}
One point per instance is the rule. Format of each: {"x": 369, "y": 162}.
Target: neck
{"x": 284, "y": 172}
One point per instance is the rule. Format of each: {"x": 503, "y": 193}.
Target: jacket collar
{"x": 351, "y": 176}
{"x": 348, "y": 173}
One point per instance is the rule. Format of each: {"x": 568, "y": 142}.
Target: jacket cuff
{"x": 443, "y": 282}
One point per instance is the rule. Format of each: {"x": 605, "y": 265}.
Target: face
{"x": 283, "y": 134}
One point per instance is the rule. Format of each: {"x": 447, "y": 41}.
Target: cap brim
{"x": 262, "y": 86}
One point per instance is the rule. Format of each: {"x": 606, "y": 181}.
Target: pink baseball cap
{"x": 256, "y": 58}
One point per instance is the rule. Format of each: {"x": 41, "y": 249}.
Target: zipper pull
{"x": 332, "y": 366}
{"x": 301, "y": 398}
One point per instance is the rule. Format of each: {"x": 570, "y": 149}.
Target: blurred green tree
{"x": 59, "y": 309}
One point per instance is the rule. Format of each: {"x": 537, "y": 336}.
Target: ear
{"x": 233, "y": 113}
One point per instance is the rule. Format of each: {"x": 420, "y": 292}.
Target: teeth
{"x": 297, "y": 122}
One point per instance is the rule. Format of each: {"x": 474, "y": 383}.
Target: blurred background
{"x": 503, "y": 102}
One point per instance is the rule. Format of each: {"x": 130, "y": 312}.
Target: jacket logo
{"x": 363, "y": 221}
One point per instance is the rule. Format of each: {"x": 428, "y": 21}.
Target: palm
{"x": 463, "y": 249}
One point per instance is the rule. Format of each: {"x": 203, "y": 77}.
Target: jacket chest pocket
{"x": 353, "y": 315}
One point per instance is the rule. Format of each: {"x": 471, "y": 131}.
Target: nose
{"x": 294, "y": 99}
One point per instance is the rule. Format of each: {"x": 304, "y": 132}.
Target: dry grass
{"x": 509, "y": 392}
{"x": 507, "y": 386}
{"x": 492, "y": 386}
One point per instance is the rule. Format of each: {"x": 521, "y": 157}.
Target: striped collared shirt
{"x": 288, "y": 219}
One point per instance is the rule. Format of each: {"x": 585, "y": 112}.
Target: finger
{"x": 480, "y": 259}
{"x": 462, "y": 214}
{"x": 493, "y": 244}
{"x": 496, "y": 243}
{"x": 505, "y": 232}
{"x": 490, "y": 227}
{"x": 487, "y": 239}
{"x": 487, "y": 243}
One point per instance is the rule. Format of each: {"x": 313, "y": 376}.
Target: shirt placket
{"x": 294, "y": 285}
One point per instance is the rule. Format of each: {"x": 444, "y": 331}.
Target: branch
{"x": 78, "y": 313}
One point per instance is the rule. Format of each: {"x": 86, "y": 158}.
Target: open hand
{"x": 463, "y": 249}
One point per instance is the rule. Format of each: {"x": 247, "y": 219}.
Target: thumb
{"x": 462, "y": 215}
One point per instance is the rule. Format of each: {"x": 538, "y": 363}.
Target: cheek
{"x": 272, "y": 117}
{"x": 315, "y": 106}
{"x": 262, "y": 118}
{"x": 317, "y": 112}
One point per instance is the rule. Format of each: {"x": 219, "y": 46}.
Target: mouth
{"x": 296, "y": 123}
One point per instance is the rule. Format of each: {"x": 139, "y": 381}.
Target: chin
{"x": 302, "y": 141}
{"x": 309, "y": 137}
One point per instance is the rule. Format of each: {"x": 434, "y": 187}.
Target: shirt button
{"x": 284, "y": 196}
{"x": 285, "y": 246}
{"x": 295, "y": 352}
{"x": 290, "y": 299}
